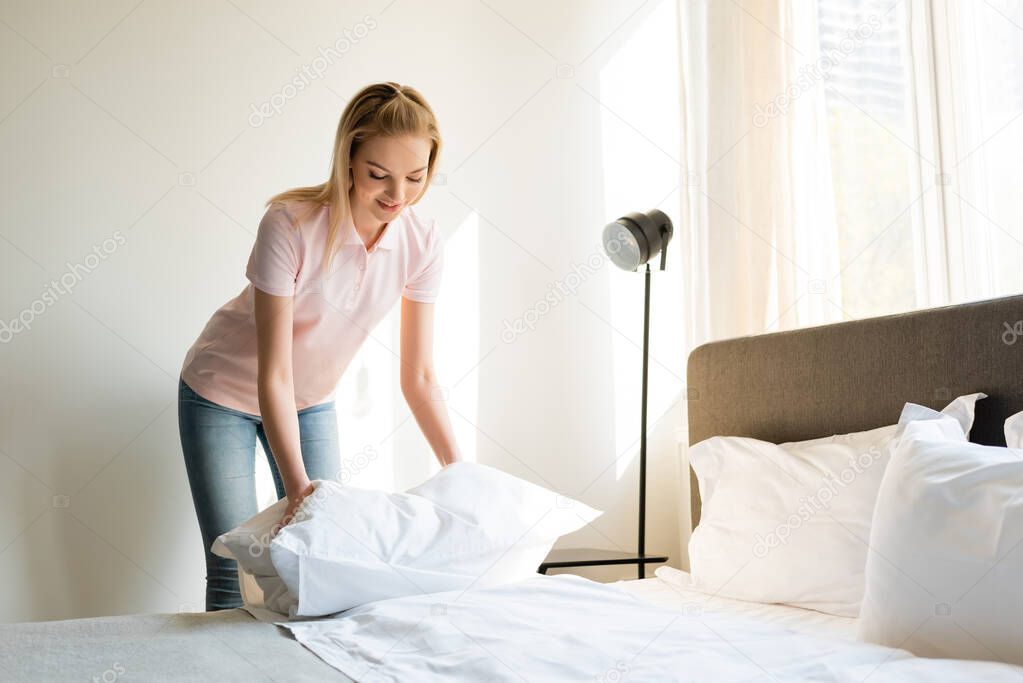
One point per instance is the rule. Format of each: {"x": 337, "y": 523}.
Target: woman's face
{"x": 389, "y": 173}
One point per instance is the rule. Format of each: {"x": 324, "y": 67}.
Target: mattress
{"x": 671, "y": 589}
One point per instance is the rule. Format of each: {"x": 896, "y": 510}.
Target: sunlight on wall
{"x": 457, "y": 332}
{"x": 640, "y": 142}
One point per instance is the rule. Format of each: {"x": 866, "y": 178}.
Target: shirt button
{"x": 362, "y": 267}
{"x": 356, "y": 288}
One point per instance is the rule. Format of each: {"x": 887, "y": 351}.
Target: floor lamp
{"x": 631, "y": 241}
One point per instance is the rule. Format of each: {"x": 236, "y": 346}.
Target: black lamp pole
{"x": 642, "y": 434}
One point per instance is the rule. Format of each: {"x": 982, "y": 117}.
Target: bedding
{"x": 468, "y": 525}
{"x": 789, "y": 523}
{"x": 674, "y": 589}
{"x": 568, "y": 628}
{"x": 946, "y": 548}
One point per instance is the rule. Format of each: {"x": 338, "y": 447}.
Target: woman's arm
{"x": 274, "y": 315}
{"x": 418, "y": 380}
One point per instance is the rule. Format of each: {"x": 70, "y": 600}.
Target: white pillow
{"x": 1014, "y": 431}
{"x": 944, "y": 571}
{"x": 468, "y": 525}
{"x": 249, "y": 545}
{"x": 789, "y": 523}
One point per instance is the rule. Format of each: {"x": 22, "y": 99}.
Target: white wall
{"x": 132, "y": 158}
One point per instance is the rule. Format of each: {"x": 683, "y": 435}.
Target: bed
{"x": 779, "y": 387}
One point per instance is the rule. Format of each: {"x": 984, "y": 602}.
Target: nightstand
{"x": 592, "y": 557}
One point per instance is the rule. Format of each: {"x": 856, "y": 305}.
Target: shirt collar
{"x": 386, "y": 241}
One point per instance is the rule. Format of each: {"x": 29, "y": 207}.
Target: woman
{"x": 328, "y": 263}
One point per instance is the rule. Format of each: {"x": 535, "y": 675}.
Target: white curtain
{"x": 976, "y": 64}
{"x": 758, "y": 225}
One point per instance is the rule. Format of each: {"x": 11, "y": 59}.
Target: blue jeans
{"x": 219, "y": 445}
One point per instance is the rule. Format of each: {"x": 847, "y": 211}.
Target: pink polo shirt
{"x": 332, "y": 315}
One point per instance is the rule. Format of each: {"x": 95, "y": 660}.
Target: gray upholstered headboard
{"x": 852, "y": 376}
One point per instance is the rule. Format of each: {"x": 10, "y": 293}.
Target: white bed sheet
{"x": 672, "y": 588}
{"x": 567, "y": 628}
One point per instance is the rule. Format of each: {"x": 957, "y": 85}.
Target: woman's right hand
{"x": 293, "y": 502}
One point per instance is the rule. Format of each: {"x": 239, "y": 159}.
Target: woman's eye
{"x": 383, "y": 177}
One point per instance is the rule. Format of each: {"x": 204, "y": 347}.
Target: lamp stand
{"x": 642, "y": 434}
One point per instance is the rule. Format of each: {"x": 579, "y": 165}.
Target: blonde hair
{"x": 381, "y": 109}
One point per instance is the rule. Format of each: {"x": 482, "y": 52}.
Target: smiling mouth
{"x": 388, "y": 207}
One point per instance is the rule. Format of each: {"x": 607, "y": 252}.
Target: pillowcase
{"x": 249, "y": 545}
{"x": 469, "y": 525}
{"x": 789, "y": 523}
{"x": 943, "y": 572}
{"x": 1014, "y": 431}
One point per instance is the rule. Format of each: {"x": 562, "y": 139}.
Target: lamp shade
{"x": 635, "y": 238}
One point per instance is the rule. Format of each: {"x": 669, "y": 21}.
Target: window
{"x": 873, "y": 154}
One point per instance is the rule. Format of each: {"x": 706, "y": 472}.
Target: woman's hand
{"x": 293, "y": 503}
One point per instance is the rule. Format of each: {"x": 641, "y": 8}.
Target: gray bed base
{"x": 229, "y": 645}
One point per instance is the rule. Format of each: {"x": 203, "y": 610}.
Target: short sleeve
{"x": 425, "y": 284}
{"x": 277, "y": 254}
